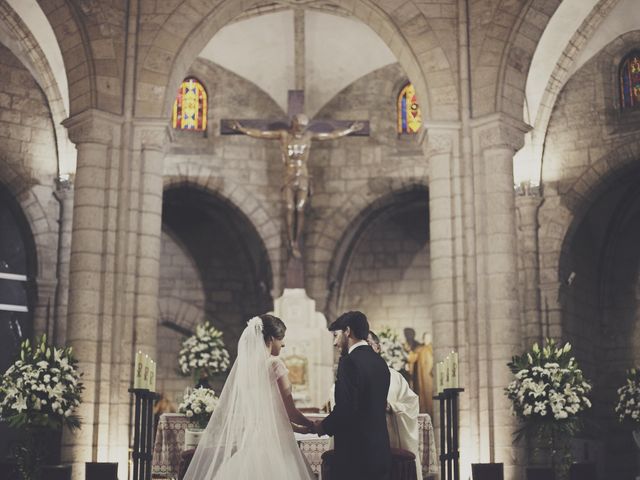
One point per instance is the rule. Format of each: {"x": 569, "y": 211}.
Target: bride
{"x": 250, "y": 433}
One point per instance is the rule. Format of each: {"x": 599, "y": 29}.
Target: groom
{"x": 358, "y": 421}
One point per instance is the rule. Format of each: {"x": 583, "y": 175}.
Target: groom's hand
{"x": 317, "y": 426}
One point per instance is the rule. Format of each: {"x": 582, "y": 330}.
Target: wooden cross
{"x": 295, "y": 106}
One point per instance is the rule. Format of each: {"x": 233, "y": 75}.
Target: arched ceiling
{"x": 578, "y": 30}
{"x": 564, "y": 23}
{"x": 33, "y": 16}
{"x": 338, "y": 51}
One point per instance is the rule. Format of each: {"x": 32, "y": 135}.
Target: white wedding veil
{"x": 249, "y": 435}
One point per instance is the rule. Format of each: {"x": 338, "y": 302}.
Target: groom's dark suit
{"x": 358, "y": 423}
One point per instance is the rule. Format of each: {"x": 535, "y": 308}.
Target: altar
{"x": 169, "y": 443}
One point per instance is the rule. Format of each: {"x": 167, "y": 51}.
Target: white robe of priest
{"x": 402, "y": 420}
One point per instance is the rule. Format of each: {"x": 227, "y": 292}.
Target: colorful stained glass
{"x": 190, "y": 107}
{"x": 630, "y": 81}
{"x": 409, "y": 116}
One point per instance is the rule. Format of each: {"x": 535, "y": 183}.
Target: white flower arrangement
{"x": 628, "y": 406}
{"x": 548, "y": 384}
{"x": 204, "y": 353}
{"x": 198, "y": 405}
{"x": 42, "y": 388}
{"x": 391, "y": 349}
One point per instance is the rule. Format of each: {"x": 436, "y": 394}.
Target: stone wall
{"x": 26, "y": 133}
{"x": 388, "y": 272}
{"x": 589, "y": 268}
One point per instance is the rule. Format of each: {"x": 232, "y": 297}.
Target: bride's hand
{"x": 301, "y": 429}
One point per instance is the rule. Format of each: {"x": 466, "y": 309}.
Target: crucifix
{"x": 295, "y": 138}
{"x": 295, "y": 134}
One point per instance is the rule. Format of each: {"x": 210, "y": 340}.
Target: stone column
{"x": 113, "y": 275}
{"x": 91, "y": 286}
{"x": 528, "y": 202}
{"x": 64, "y": 194}
{"x": 449, "y": 285}
{"x": 496, "y": 138}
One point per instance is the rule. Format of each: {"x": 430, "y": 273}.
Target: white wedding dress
{"x": 249, "y": 436}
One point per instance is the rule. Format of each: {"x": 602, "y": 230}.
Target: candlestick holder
{"x": 142, "y": 432}
{"x": 449, "y": 427}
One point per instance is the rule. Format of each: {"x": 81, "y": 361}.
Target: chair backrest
{"x": 540, "y": 473}
{"x": 57, "y": 472}
{"x": 487, "y": 471}
{"x": 101, "y": 471}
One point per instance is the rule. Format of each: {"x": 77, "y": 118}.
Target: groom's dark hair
{"x": 357, "y": 321}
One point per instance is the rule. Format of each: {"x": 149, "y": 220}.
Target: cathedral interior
{"x": 493, "y": 201}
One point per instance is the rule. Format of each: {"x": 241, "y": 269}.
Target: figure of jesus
{"x": 295, "y": 143}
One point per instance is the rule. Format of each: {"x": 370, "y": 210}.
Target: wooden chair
{"x": 487, "y": 471}
{"x": 403, "y": 465}
{"x": 185, "y": 460}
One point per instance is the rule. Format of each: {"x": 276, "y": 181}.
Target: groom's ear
{"x": 347, "y": 332}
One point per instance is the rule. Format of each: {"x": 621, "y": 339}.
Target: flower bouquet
{"x": 204, "y": 354}
{"x": 198, "y": 404}
{"x": 628, "y": 406}
{"x": 38, "y": 395}
{"x": 548, "y": 394}
{"x": 391, "y": 349}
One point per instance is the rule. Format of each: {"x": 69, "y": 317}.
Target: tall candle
{"x": 447, "y": 366}
{"x": 137, "y": 371}
{"x": 442, "y": 374}
{"x": 145, "y": 374}
{"x": 455, "y": 372}
{"x": 438, "y": 373}
{"x": 152, "y": 376}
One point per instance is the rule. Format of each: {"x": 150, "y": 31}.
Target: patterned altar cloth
{"x": 169, "y": 444}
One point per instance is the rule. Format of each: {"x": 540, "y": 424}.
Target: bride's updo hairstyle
{"x": 272, "y": 327}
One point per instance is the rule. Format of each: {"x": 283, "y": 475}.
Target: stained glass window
{"x": 409, "y": 116}
{"x": 190, "y": 107}
{"x": 630, "y": 81}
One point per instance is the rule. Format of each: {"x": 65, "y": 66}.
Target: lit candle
{"x": 438, "y": 373}
{"x": 145, "y": 374}
{"x": 442, "y": 374}
{"x": 137, "y": 371}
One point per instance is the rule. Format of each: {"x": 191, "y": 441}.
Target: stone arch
{"x": 400, "y": 28}
{"x": 75, "y": 46}
{"x": 331, "y": 244}
{"x": 560, "y": 74}
{"x": 184, "y": 314}
{"x": 34, "y": 59}
{"x": 241, "y": 200}
{"x": 596, "y": 179}
{"x": 39, "y": 225}
{"x": 598, "y": 282}
{"x": 499, "y": 68}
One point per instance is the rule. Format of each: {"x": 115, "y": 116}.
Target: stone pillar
{"x": 91, "y": 286}
{"x": 64, "y": 194}
{"x": 496, "y": 138}
{"x": 449, "y": 286}
{"x": 528, "y": 202}
{"x": 113, "y": 274}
